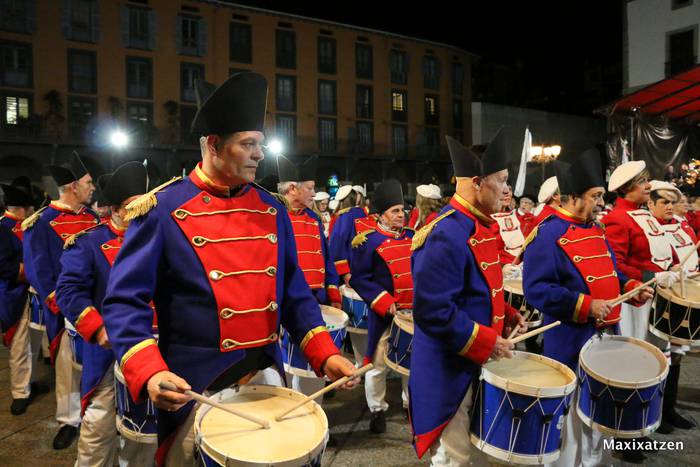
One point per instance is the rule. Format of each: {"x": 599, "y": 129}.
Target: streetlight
{"x": 275, "y": 147}
{"x": 118, "y": 139}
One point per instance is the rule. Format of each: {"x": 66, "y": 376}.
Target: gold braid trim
{"x": 361, "y": 238}
{"x": 70, "y": 241}
{"x": 146, "y": 202}
{"x": 342, "y": 211}
{"x": 422, "y": 235}
{"x": 29, "y": 222}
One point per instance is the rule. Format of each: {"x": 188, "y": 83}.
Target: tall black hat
{"x": 69, "y": 172}
{"x": 467, "y": 163}
{"x": 290, "y": 172}
{"x": 237, "y": 105}
{"x": 19, "y": 193}
{"x": 584, "y": 173}
{"x": 99, "y": 196}
{"x": 386, "y": 195}
{"x": 128, "y": 180}
{"x": 269, "y": 182}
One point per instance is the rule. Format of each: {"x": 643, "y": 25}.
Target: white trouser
{"x": 21, "y": 357}
{"x": 45, "y": 344}
{"x": 375, "y": 379}
{"x": 359, "y": 346}
{"x": 634, "y": 322}
{"x": 67, "y": 385}
{"x": 453, "y": 448}
{"x": 97, "y": 445}
{"x": 581, "y": 445}
{"x": 307, "y": 386}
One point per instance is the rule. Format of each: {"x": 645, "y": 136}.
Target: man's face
{"x": 120, "y": 211}
{"x": 83, "y": 189}
{"x": 662, "y": 208}
{"x": 639, "y": 193}
{"x": 526, "y": 205}
{"x": 101, "y": 211}
{"x": 592, "y": 203}
{"x": 236, "y": 159}
{"x": 304, "y": 193}
{"x": 492, "y": 192}
{"x": 508, "y": 197}
{"x": 393, "y": 217}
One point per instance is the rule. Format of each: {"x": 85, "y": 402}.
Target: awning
{"x": 675, "y": 98}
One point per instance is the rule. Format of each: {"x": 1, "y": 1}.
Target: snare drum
{"x": 622, "y": 382}
{"x": 76, "y": 345}
{"x": 294, "y": 360}
{"x": 223, "y": 439}
{"x": 674, "y": 318}
{"x": 136, "y": 422}
{"x": 514, "y": 296}
{"x": 520, "y": 407}
{"x": 36, "y": 313}
{"x": 356, "y": 309}
{"x": 398, "y": 349}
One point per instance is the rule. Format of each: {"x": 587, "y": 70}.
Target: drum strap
{"x": 255, "y": 359}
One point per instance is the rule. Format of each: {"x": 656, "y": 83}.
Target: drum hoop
{"x": 69, "y": 326}
{"x": 37, "y": 327}
{"x": 77, "y": 366}
{"x": 404, "y": 324}
{"x": 395, "y": 367}
{"x": 509, "y": 286}
{"x": 350, "y": 293}
{"x": 501, "y": 454}
{"x": 670, "y": 338}
{"x": 670, "y": 296}
{"x": 221, "y": 396}
{"x": 335, "y": 311}
{"x": 624, "y": 384}
{"x": 529, "y": 390}
{"x": 299, "y": 372}
{"x": 118, "y": 375}
{"x": 631, "y": 434}
{"x": 145, "y": 438}
{"x": 353, "y": 330}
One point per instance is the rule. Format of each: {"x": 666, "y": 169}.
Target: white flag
{"x": 522, "y": 170}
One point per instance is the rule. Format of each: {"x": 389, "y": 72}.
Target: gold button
{"x": 227, "y": 344}
{"x": 271, "y": 271}
{"x": 180, "y": 213}
{"x": 272, "y": 211}
{"x": 215, "y": 275}
{"x": 226, "y": 313}
{"x": 273, "y": 306}
{"x": 472, "y": 242}
{"x": 198, "y": 241}
{"x": 206, "y": 198}
{"x": 323, "y": 270}
{"x": 272, "y": 238}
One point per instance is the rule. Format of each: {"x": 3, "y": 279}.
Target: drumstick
{"x": 534, "y": 332}
{"x": 517, "y": 326}
{"x": 689, "y": 254}
{"x": 359, "y": 372}
{"x": 168, "y": 386}
{"x": 631, "y": 293}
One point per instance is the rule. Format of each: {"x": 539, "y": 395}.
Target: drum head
{"x": 513, "y": 286}
{"x": 692, "y": 294}
{"x": 349, "y": 292}
{"x": 333, "y": 317}
{"x": 295, "y": 440}
{"x": 530, "y": 374}
{"x": 404, "y": 322}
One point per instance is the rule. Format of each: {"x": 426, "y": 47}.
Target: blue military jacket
{"x": 13, "y": 286}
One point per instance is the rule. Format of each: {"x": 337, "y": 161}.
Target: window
{"x": 286, "y": 93}
{"x": 326, "y": 97}
{"x": 327, "y": 135}
{"x": 17, "y": 15}
{"x": 287, "y": 130}
{"x": 398, "y": 65}
{"x": 365, "y": 137}
{"x": 80, "y": 111}
{"x": 16, "y": 61}
{"x": 399, "y": 110}
{"x": 16, "y": 109}
{"x": 187, "y": 113}
{"x": 457, "y": 112}
{"x": 432, "y": 137}
{"x": 681, "y": 53}
{"x": 431, "y": 72}
{"x": 363, "y": 61}
{"x": 326, "y": 55}
{"x": 139, "y": 113}
{"x": 82, "y": 71}
{"x": 138, "y": 28}
{"x": 364, "y": 102}
{"x": 432, "y": 110}
{"x": 240, "y": 43}
{"x": 399, "y": 137}
{"x": 191, "y": 38}
{"x": 286, "y": 54}
{"x": 457, "y": 79}
{"x": 81, "y": 20}
{"x": 190, "y": 73}
{"x": 139, "y": 77}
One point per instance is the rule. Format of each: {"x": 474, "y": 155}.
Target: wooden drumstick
{"x": 535, "y": 332}
{"x": 361, "y": 371}
{"x": 626, "y": 296}
{"x": 517, "y": 326}
{"x": 168, "y": 386}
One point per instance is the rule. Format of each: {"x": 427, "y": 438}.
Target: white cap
{"x": 360, "y": 189}
{"x": 624, "y": 173}
{"x": 343, "y": 192}
{"x": 657, "y": 185}
{"x": 429, "y": 191}
{"x": 332, "y": 204}
{"x": 547, "y": 190}
{"x": 321, "y": 195}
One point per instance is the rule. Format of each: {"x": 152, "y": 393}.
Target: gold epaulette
{"x": 530, "y": 238}
{"x": 342, "y": 211}
{"x": 29, "y": 222}
{"x": 422, "y": 235}
{"x": 70, "y": 241}
{"x": 361, "y": 238}
{"x": 145, "y": 202}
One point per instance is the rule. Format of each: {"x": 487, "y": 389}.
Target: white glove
{"x": 666, "y": 279}
{"x": 512, "y": 272}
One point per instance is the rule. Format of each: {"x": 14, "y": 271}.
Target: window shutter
{"x": 95, "y": 22}
{"x": 125, "y": 25}
{"x": 152, "y": 30}
{"x": 178, "y": 34}
{"x": 201, "y": 37}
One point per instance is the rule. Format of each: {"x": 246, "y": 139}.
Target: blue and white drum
{"x": 292, "y": 356}
{"x": 400, "y": 344}
{"x": 136, "y": 422}
{"x": 36, "y": 312}
{"x": 520, "y": 406}
{"x": 622, "y": 382}
{"x": 76, "y": 345}
{"x": 299, "y": 439}
{"x": 356, "y": 308}
{"x": 514, "y": 296}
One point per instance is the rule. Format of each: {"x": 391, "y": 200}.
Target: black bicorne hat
{"x": 467, "y": 163}
{"x": 389, "y": 193}
{"x": 128, "y": 180}
{"x": 69, "y": 172}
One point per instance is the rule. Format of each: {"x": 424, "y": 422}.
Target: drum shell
{"x": 514, "y": 297}
{"x": 136, "y": 422}
{"x": 667, "y": 316}
{"x": 400, "y": 345}
{"x": 36, "y": 313}
{"x": 76, "y": 344}
{"x": 356, "y": 309}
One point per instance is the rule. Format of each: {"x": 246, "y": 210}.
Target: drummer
{"x": 459, "y": 312}
{"x": 85, "y": 267}
{"x": 566, "y": 248}
{"x": 216, "y": 254}
{"x": 549, "y": 199}
{"x": 352, "y": 217}
{"x": 428, "y": 205}
{"x": 381, "y": 275}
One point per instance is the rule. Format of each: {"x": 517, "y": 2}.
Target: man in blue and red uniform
{"x": 381, "y": 275}
{"x": 459, "y": 312}
{"x": 85, "y": 268}
{"x": 217, "y": 256}
{"x": 569, "y": 274}
{"x": 44, "y": 235}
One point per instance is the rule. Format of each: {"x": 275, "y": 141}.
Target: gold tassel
{"x": 422, "y": 235}
{"x": 342, "y": 211}
{"x": 146, "y": 202}
{"x": 70, "y": 241}
{"x": 361, "y": 238}
{"x": 29, "y": 222}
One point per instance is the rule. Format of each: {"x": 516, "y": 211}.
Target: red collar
{"x": 626, "y": 205}
{"x": 390, "y": 233}
{"x": 119, "y": 232}
{"x": 58, "y": 206}
{"x": 203, "y": 182}
{"x": 12, "y": 216}
{"x": 568, "y": 216}
{"x": 466, "y": 208}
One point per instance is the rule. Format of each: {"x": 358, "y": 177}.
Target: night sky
{"x": 545, "y": 46}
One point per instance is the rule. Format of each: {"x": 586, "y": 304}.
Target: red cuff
{"x": 382, "y": 303}
{"x": 140, "y": 363}
{"x": 480, "y": 344}
{"x": 333, "y": 294}
{"x": 342, "y": 267}
{"x": 51, "y": 303}
{"x": 631, "y": 284}
{"x": 318, "y": 346}
{"x": 582, "y": 309}
{"x": 88, "y": 323}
